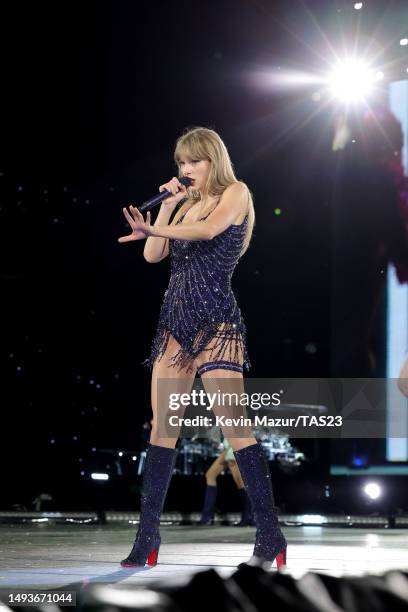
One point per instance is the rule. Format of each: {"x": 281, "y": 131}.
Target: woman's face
{"x": 197, "y": 170}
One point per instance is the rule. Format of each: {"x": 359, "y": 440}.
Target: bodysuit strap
{"x": 207, "y": 215}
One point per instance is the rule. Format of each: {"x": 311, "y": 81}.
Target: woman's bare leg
{"x": 270, "y": 543}
{"x": 159, "y": 463}
{"x": 226, "y": 381}
{"x": 215, "y": 470}
{"x": 163, "y": 369}
{"x": 219, "y": 380}
{"x": 236, "y": 474}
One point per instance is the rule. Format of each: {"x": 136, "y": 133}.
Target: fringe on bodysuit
{"x": 228, "y": 343}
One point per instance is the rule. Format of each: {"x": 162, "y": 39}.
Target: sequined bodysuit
{"x": 199, "y": 308}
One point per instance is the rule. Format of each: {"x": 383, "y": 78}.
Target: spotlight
{"x": 373, "y": 490}
{"x": 99, "y": 476}
{"x": 404, "y": 42}
{"x": 351, "y": 80}
{"x": 358, "y": 6}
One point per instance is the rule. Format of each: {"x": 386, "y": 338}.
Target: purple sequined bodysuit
{"x": 199, "y": 308}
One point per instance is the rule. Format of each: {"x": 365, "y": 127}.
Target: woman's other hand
{"x": 140, "y": 228}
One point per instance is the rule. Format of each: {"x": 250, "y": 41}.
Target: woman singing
{"x": 200, "y": 328}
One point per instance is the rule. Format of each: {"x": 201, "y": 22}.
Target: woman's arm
{"x": 233, "y": 203}
{"x": 157, "y": 248}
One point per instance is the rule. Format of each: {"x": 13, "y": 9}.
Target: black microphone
{"x": 184, "y": 180}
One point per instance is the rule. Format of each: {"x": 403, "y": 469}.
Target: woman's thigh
{"x": 225, "y": 376}
{"x": 227, "y": 388}
{"x": 167, "y": 378}
{"x": 217, "y": 466}
{"x": 222, "y": 352}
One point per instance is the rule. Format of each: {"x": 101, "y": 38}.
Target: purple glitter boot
{"x": 270, "y": 543}
{"x": 207, "y": 513}
{"x": 156, "y": 479}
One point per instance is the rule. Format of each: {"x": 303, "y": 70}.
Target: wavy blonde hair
{"x": 203, "y": 143}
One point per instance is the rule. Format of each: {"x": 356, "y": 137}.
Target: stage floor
{"x": 47, "y": 555}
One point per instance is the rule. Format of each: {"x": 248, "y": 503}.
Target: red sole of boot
{"x": 151, "y": 560}
{"x": 281, "y": 560}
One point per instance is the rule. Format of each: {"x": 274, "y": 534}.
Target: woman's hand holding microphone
{"x": 143, "y": 229}
{"x": 177, "y": 189}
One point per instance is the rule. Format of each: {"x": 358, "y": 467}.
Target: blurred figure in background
{"x": 403, "y": 378}
{"x": 369, "y": 231}
{"x": 225, "y": 460}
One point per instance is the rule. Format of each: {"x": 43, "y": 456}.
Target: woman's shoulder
{"x": 237, "y": 195}
{"x": 237, "y": 187}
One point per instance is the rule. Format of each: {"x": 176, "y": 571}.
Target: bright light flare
{"x": 312, "y": 519}
{"x": 351, "y": 81}
{"x": 358, "y": 6}
{"x": 99, "y": 476}
{"x": 277, "y": 79}
{"x": 373, "y": 490}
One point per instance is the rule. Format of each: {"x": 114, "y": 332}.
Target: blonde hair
{"x": 204, "y": 143}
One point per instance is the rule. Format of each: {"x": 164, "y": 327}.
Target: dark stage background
{"x": 94, "y": 96}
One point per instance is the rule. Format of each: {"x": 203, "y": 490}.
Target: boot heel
{"x": 281, "y": 559}
{"x": 138, "y": 562}
{"x": 152, "y": 558}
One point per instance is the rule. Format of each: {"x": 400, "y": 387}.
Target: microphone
{"x": 184, "y": 180}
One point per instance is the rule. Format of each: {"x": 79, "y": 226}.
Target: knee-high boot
{"x": 207, "y": 513}
{"x": 157, "y": 473}
{"x": 270, "y": 543}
